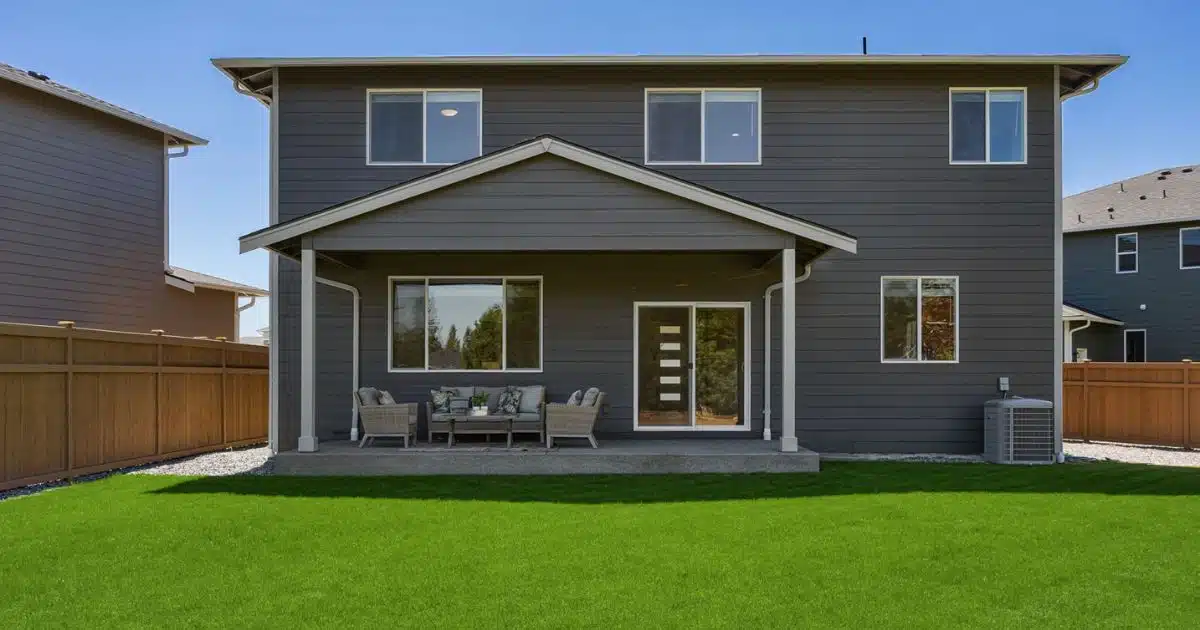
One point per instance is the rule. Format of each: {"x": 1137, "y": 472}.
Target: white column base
{"x": 767, "y": 434}
{"x": 789, "y": 445}
{"x": 308, "y": 444}
{"x": 354, "y": 434}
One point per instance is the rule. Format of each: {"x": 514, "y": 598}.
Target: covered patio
{"x": 634, "y": 277}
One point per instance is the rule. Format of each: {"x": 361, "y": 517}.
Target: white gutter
{"x": 354, "y": 359}
{"x": 1068, "y": 356}
{"x": 767, "y": 349}
{"x": 237, "y": 313}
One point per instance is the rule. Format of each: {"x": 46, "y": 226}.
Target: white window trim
{"x": 1181, "y": 231}
{"x": 703, "y": 144}
{"x": 1117, "y": 253}
{"x": 503, "y": 328}
{"x": 424, "y": 92}
{"x": 746, "y": 356}
{"x": 957, "y": 318}
{"x": 1125, "y": 344}
{"x": 987, "y": 124}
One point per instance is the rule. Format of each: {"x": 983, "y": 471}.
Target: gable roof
{"x": 273, "y": 235}
{"x": 36, "y": 81}
{"x": 1168, "y": 195}
{"x": 206, "y": 281}
{"x": 252, "y": 75}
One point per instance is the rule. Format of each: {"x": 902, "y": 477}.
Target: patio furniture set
{"x": 477, "y": 410}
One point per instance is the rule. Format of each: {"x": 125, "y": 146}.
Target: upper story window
{"x": 1127, "y": 252}
{"x": 703, "y": 126}
{"x": 1189, "y": 248}
{"x": 987, "y": 126}
{"x": 424, "y": 126}
{"x": 919, "y": 319}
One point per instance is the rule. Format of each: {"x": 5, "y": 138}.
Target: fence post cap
{"x": 1187, "y": 360}
{"x": 221, "y": 338}
{"x": 158, "y": 331}
{"x": 66, "y": 323}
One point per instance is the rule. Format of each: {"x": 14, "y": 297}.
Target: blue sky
{"x": 152, "y": 57}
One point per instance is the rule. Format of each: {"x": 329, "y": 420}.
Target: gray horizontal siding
{"x": 548, "y": 203}
{"x": 81, "y": 198}
{"x": 862, "y": 150}
{"x": 1171, "y": 295}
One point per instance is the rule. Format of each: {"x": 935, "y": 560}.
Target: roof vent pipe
{"x": 1122, "y": 185}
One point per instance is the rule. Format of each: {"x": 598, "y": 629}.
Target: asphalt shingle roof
{"x": 44, "y": 84}
{"x": 213, "y": 282}
{"x": 1168, "y": 195}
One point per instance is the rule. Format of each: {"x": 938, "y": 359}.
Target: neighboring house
{"x": 83, "y": 198}
{"x": 1132, "y": 255}
{"x": 631, "y": 223}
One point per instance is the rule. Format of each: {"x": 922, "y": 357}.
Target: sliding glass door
{"x": 691, "y": 366}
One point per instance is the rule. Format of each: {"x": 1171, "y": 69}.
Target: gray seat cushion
{"x": 526, "y": 416}
{"x": 442, "y": 417}
{"x": 531, "y": 397}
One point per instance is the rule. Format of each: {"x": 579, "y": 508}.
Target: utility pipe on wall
{"x": 767, "y": 348}
{"x": 237, "y": 313}
{"x": 1070, "y": 344}
{"x": 354, "y": 344}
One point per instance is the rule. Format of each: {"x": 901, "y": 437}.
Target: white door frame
{"x": 1125, "y": 344}
{"x": 692, "y": 306}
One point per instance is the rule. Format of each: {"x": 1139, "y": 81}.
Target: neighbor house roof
{"x": 43, "y": 83}
{"x": 272, "y": 236}
{"x": 205, "y": 281}
{"x": 1168, "y": 195}
{"x": 252, "y": 75}
{"x": 1072, "y": 313}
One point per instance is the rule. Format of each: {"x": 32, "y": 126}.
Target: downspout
{"x": 354, "y": 359}
{"x": 1071, "y": 339}
{"x": 167, "y": 200}
{"x": 767, "y": 348}
{"x": 237, "y": 313}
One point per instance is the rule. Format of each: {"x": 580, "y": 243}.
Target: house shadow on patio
{"x": 836, "y": 479}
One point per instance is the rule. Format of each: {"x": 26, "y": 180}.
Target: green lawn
{"x": 858, "y": 545}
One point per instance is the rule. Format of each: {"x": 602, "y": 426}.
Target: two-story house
{"x": 840, "y": 252}
{"x": 84, "y": 225}
{"x": 1132, "y": 255}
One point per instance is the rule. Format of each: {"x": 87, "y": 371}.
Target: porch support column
{"x": 788, "y": 337}
{"x": 308, "y": 345}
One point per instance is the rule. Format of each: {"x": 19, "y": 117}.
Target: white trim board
{"x": 540, "y": 146}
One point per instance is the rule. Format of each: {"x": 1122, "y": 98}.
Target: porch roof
{"x": 285, "y": 237}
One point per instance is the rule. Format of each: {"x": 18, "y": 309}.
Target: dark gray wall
{"x": 860, "y": 149}
{"x": 1103, "y": 342}
{"x": 1171, "y": 294}
{"x": 81, "y": 215}
{"x": 548, "y": 203}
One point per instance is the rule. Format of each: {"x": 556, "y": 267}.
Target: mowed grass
{"x": 858, "y": 545}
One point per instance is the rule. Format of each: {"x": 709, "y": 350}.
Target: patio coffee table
{"x": 481, "y": 425}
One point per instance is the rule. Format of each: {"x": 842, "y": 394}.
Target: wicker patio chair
{"x": 572, "y": 421}
{"x": 398, "y": 420}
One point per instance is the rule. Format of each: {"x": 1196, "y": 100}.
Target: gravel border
{"x": 1131, "y": 454}
{"x": 254, "y": 460}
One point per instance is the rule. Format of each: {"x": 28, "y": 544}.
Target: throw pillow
{"x": 368, "y": 396}
{"x": 385, "y": 398}
{"x": 531, "y": 398}
{"x": 590, "y": 397}
{"x": 510, "y": 401}
{"x": 576, "y": 396}
{"x": 441, "y": 400}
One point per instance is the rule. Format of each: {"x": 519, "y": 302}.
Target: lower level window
{"x": 466, "y": 324}
{"x": 1135, "y": 346}
{"x": 919, "y": 319}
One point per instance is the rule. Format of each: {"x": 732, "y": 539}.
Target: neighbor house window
{"x": 700, "y": 126}
{"x": 1189, "y": 248}
{"x": 423, "y": 126}
{"x": 1135, "y": 346}
{"x": 1127, "y": 252}
{"x": 466, "y": 324}
{"x": 987, "y": 126}
{"x": 919, "y": 319}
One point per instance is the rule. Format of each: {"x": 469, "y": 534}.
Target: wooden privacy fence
{"x": 1139, "y": 403}
{"x": 75, "y": 401}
